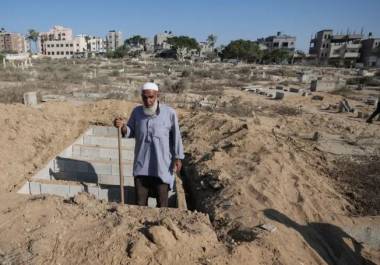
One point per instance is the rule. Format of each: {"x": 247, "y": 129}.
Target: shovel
{"x": 120, "y": 166}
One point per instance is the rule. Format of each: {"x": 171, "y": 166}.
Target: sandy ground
{"x": 243, "y": 172}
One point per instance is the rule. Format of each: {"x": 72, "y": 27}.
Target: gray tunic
{"x": 158, "y": 142}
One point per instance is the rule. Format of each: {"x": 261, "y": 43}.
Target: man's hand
{"x": 177, "y": 166}
{"x": 118, "y": 122}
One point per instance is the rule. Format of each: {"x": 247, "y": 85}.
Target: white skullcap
{"x": 149, "y": 86}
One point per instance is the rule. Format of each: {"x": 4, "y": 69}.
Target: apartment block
{"x": 336, "y": 49}
{"x": 95, "y": 44}
{"x": 57, "y": 33}
{"x": 279, "y": 41}
{"x": 370, "y": 51}
{"x": 13, "y": 42}
{"x": 114, "y": 40}
{"x": 58, "y": 49}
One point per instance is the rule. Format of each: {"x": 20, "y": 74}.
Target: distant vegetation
{"x": 244, "y": 50}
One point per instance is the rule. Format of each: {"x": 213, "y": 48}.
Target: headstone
{"x": 276, "y": 95}
{"x": 30, "y": 98}
{"x": 294, "y": 90}
{"x": 313, "y": 85}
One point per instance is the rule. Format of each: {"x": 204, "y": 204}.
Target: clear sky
{"x": 228, "y": 19}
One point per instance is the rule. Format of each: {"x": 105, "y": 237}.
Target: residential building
{"x": 95, "y": 45}
{"x": 13, "y": 42}
{"x": 114, "y": 40}
{"x": 57, "y": 33}
{"x": 336, "y": 49}
{"x": 370, "y": 51}
{"x": 58, "y": 49}
{"x": 160, "y": 40}
{"x": 279, "y": 41}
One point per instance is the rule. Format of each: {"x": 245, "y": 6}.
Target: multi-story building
{"x": 13, "y": 42}
{"x": 370, "y": 51}
{"x": 114, "y": 40}
{"x": 160, "y": 40}
{"x": 57, "y": 33}
{"x": 338, "y": 49}
{"x": 95, "y": 45}
{"x": 58, "y": 49}
{"x": 59, "y": 42}
{"x": 279, "y": 41}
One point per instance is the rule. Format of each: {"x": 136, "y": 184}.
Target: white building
{"x": 57, "y": 33}
{"x": 95, "y": 45}
{"x": 114, "y": 40}
{"x": 58, "y": 49}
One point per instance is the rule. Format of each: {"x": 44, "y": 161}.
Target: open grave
{"x": 91, "y": 165}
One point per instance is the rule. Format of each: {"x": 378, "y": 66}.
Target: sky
{"x": 229, "y": 20}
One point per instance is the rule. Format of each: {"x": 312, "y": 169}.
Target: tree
{"x": 245, "y": 50}
{"x": 211, "y": 40}
{"x": 2, "y": 30}
{"x": 33, "y": 36}
{"x": 136, "y": 40}
{"x": 120, "y": 52}
{"x": 277, "y": 56}
{"x": 183, "y": 45}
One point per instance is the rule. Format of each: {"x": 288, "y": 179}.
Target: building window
{"x": 276, "y": 44}
{"x": 48, "y": 53}
{"x": 52, "y": 53}
{"x": 67, "y": 53}
{"x": 67, "y": 45}
{"x": 71, "y": 52}
{"x": 48, "y": 45}
{"x": 77, "y": 44}
{"x": 62, "y": 45}
{"x": 63, "y": 53}
{"x": 71, "y": 45}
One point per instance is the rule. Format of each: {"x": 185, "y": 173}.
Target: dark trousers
{"x": 376, "y": 112}
{"x": 148, "y": 186}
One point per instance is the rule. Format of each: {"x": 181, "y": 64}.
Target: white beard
{"x": 152, "y": 110}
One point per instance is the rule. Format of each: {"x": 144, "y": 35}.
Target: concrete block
{"x": 34, "y": 188}
{"x": 127, "y": 169}
{"x": 30, "y": 98}
{"x": 24, "y": 189}
{"x": 103, "y": 194}
{"x": 104, "y": 131}
{"x": 152, "y": 202}
{"x": 75, "y": 189}
{"x": 70, "y": 165}
{"x": 276, "y": 95}
{"x": 114, "y": 180}
{"x": 94, "y": 190}
{"x": 55, "y": 189}
{"x": 108, "y": 141}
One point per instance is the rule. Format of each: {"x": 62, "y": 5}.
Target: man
{"x": 158, "y": 146}
{"x": 376, "y": 112}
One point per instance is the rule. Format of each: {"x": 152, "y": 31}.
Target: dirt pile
{"x": 265, "y": 181}
{"x": 49, "y": 230}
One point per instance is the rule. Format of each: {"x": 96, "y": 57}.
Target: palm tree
{"x": 33, "y": 36}
{"x": 2, "y": 29}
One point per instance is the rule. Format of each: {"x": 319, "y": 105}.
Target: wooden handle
{"x": 120, "y": 166}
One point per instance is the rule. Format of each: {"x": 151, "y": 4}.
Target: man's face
{"x": 149, "y": 97}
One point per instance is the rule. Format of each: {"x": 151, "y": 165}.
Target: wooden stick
{"x": 120, "y": 166}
